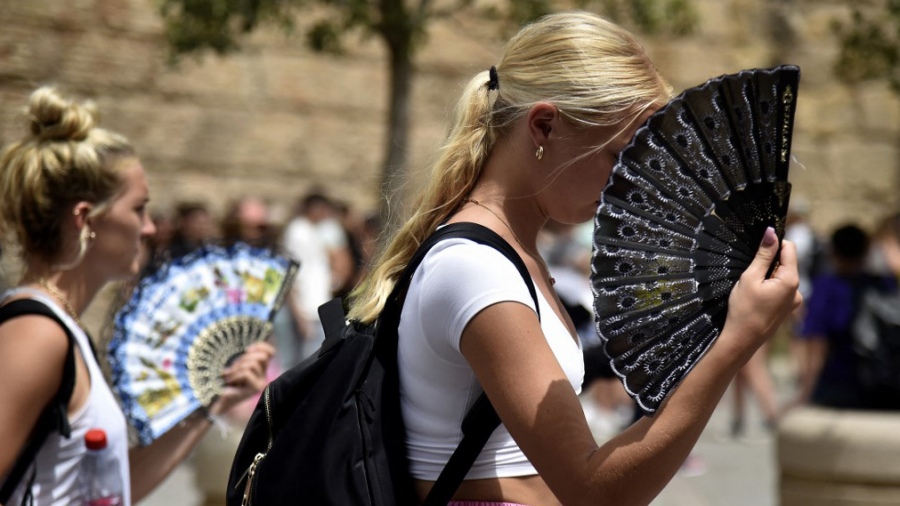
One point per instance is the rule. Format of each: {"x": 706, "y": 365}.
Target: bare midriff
{"x": 527, "y": 490}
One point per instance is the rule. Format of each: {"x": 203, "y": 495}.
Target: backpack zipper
{"x": 268, "y": 404}
{"x": 250, "y": 473}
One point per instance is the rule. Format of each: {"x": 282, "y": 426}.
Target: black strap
{"x": 481, "y": 420}
{"x": 55, "y": 415}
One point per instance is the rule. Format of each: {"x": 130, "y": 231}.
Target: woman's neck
{"x": 521, "y": 215}
{"x": 74, "y": 289}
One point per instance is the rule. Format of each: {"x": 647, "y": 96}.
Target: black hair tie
{"x": 494, "y": 82}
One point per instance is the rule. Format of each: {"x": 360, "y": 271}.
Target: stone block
{"x": 314, "y": 80}
{"x": 30, "y": 52}
{"x": 136, "y": 17}
{"x": 211, "y": 80}
{"x": 716, "y": 18}
{"x": 879, "y": 109}
{"x": 839, "y": 458}
{"x": 96, "y": 61}
{"x": 460, "y": 48}
{"x": 823, "y": 112}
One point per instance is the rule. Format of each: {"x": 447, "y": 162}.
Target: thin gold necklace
{"x": 536, "y": 257}
{"x": 54, "y": 291}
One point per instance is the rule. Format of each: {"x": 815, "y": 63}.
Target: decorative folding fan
{"x": 683, "y": 214}
{"x": 184, "y": 324}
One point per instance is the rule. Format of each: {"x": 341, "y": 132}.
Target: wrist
{"x": 207, "y": 417}
{"x": 728, "y": 354}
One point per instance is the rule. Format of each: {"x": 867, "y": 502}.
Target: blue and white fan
{"x": 184, "y": 324}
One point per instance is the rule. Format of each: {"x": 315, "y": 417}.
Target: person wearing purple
{"x": 827, "y": 327}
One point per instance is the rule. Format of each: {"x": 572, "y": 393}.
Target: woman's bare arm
{"x": 32, "y": 355}
{"x": 511, "y": 358}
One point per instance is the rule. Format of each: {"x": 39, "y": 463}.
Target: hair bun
{"x": 53, "y": 117}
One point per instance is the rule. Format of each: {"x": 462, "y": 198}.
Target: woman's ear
{"x": 80, "y": 213}
{"x": 542, "y": 118}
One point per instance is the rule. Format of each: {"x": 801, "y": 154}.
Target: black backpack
{"x": 329, "y": 431}
{"x": 876, "y": 342}
{"x": 55, "y": 416}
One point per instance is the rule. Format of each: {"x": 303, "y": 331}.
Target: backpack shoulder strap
{"x": 481, "y": 420}
{"x": 55, "y": 415}
{"x": 471, "y": 231}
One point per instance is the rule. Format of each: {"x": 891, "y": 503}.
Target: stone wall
{"x": 276, "y": 119}
{"x": 830, "y": 457}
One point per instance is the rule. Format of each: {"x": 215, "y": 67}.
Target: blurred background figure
{"x": 827, "y": 376}
{"x": 812, "y": 260}
{"x": 247, "y": 220}
{"x": 884, "y": 257}
{"x": 369, "y": 234}
{"x": 811, "y": 252}
{"x": 347, "y": 262}
{"x": 156, "y": 246}
{"x": 194, "y": 226}
{"x": 756, "y": 378}
{"x": 317, "y": 240}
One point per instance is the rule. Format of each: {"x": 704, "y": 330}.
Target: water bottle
{"x": 101, "y": 478}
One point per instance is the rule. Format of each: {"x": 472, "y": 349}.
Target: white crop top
{"x": 455, "y": 281}
{"x": 56, "y": 482}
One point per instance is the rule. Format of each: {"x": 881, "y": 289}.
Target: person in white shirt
{"x": 316, "y": 239}
{"x": 535, "y": 138}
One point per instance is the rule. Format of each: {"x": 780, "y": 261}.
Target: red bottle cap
{"x": 95, "y": 439}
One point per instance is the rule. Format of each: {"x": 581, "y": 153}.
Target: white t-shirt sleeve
{"x": 460, "y": 278}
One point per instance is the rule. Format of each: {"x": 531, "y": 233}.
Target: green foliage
{"x": 870, "y": 44}
{"x": 325, "y": 37}
{"x": 653, "y": 17}
{"x": 194, "y": 25}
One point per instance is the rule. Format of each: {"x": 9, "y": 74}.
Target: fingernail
{"x": 769, "y": 238}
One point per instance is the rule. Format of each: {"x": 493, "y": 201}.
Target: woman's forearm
{"x": 152, "y": 464}
{"x": 634, "y": 466}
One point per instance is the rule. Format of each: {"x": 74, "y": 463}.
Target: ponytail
{"x": 454, "y": 174}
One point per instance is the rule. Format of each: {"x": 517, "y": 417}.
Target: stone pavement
{"x": 727, "y": 471}
{"x": 738, "y": 472}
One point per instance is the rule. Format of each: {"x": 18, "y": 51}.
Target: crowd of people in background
{"x": 334, "y": 243}
{"x": 331, "y": 241}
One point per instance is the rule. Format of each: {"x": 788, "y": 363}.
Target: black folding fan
{"x": 683, "y": 214}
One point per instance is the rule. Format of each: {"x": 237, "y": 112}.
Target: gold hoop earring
{"x": 539, "y": 153}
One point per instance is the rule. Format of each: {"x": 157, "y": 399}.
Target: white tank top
{"x": 56, "y": 482}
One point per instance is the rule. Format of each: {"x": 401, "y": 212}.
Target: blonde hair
{"x": 62, "y": 160}
{"x": 593, "y": 71}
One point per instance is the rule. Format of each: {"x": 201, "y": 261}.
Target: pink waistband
{"x": 482, "y": 503}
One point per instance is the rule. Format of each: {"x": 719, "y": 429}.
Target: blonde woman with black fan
{"x": 535, "y": 138}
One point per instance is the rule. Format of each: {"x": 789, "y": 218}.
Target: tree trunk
{"x": 396, "y": 28}
{"x": 395, "y": 165}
